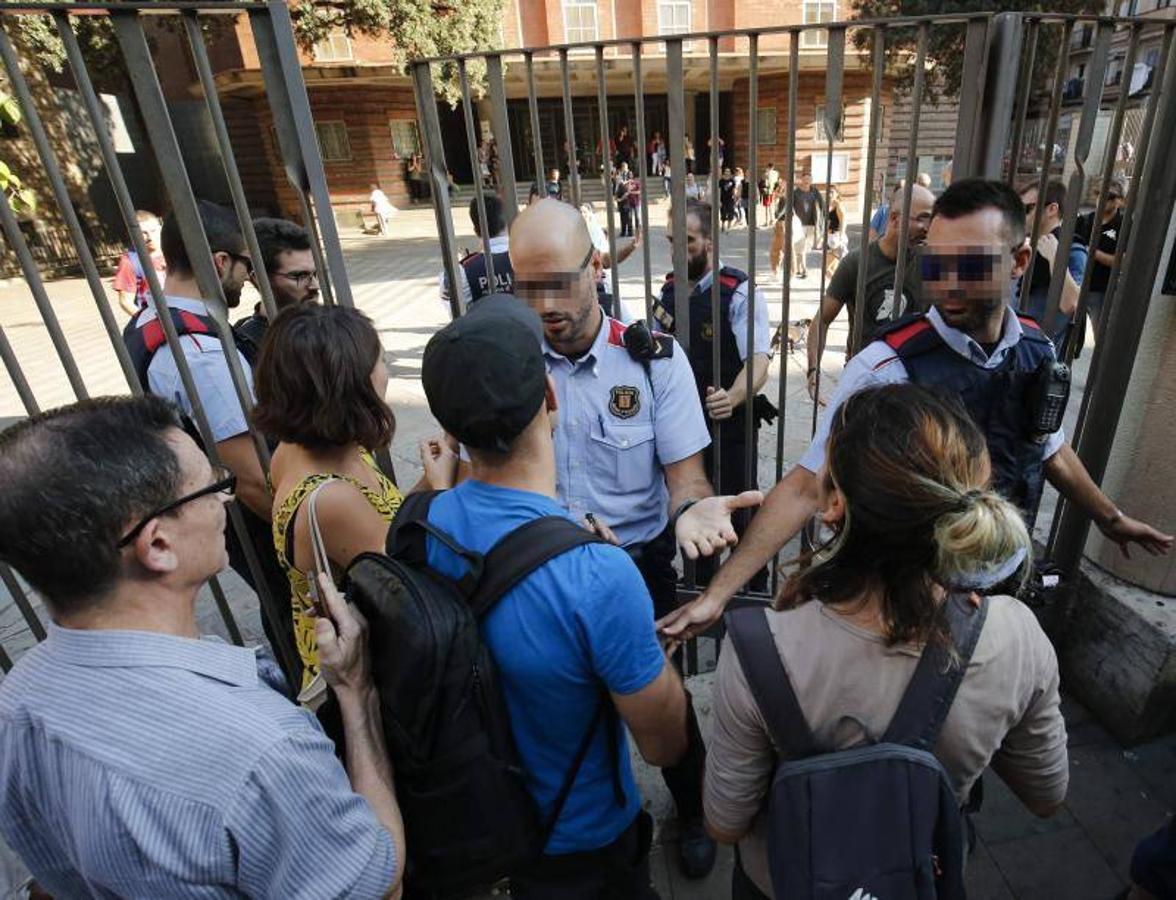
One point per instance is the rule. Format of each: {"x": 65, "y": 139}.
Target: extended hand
{"x": 1047, "y": 246}
{"x": 439, "y": 462}
{"x": 342, "y": 640}
{"x": 705, "y": 528}
{"x": 1126, "y": 531}
{"x": 692, "y": 619}
{"x": 718, "y": 404}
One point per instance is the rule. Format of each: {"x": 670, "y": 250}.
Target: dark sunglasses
{"x": 969, "y": 265}
{"x": 225, "y": 481}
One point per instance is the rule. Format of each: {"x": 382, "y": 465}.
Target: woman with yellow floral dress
{"x": 320, "y": 386}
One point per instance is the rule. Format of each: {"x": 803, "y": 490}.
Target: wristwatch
{"x": 685, "y": 505}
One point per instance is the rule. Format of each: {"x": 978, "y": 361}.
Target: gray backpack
{"x": 875, "y": 822}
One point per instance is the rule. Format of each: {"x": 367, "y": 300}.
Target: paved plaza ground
{"x": 1117, "y": 794}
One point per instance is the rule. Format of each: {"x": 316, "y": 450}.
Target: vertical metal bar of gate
{"x": 229, "y": 160}
{"x": 1000, "y": 91}
{"x": 45, "y": 153}
{"x": 835, "y": 64}
{"x": 422, "y": 79}
{"x": 676, "y": 108}
{"x": 97, "y": 113}
{"x": 965, "y": 156}
{"x": 1051, "y": 131}
{"x": 1032, "y": 29}
{"x": 5, "y": 660}
{"x": 1137, "y": 275}
{"x": 128, "y": 29}
{"x": 475, "y": 167}
{"x": 12, "y": 365}
{"x": 536, "y": 136}
{"x": 32, "y": 275}
{"x": 570, "y": 128}
{"x": 858, "y": 325}
{"x": 639, "y": 103}
{"x": 716, "y": 284}
{"x": 602, "y": 105}
{"x": 752, "y": 455}
{"x": 20, "y": 598}
{"x": 507, "y": 188}
{"x": 335, "y": 286}
{"x": 1108, "y": 173}
{"x": 1096, "y": 74}
{"x": 904, "y": 224}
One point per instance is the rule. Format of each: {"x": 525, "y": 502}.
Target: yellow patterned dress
{"x": 385, "y": 501}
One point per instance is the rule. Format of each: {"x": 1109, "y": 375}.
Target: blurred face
{"x": 1114, "y": 202}
{"x": 805, "y": 182}
{"x": 151, "y": 229}
{"x": 294, "y": 279}
{"x": 698, "y": 248}
{"x": 380, "y": 377}
{"x": 197, "y": 528}
{"x": 920, "y": 215}
{"x": 968, "y": 267}
{"x": 1049, "y": 213}
{"x": 562, "y": 294}
{"x": 726, "y": 173}
{"x": 234, "y": 269}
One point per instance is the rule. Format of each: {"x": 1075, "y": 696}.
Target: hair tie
{"x": 990, "y": 575}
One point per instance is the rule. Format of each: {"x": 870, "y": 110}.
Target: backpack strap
{"x": 407, "y": 534}
{"x": 769, "y": 683}
{"x": 523, "y": 551}
{"x": 932, "y": 689}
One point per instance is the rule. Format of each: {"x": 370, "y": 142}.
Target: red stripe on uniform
{"x": 1030, "y": 321}
{"x": 616, "y": 333}
{"x": 897, "y": 338}
{"x": 729, "y": 281}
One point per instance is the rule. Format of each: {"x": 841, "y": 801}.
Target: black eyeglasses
{"x": 225, "y": 481}
{"x": 244, "y": 260}
{"x": 302, "y": 279}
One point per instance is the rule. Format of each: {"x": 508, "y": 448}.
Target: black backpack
{"x": 468, "y": 816}
{"x": 876, "y": 821}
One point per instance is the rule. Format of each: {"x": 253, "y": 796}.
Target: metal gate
{"x": 998, "y": 66}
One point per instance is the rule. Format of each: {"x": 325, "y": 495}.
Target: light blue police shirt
{"x": 210, "y": 373}
{"x": 877, "y": 364}
{"x": 619, "y": 426}
{"x": 138, "y": 764}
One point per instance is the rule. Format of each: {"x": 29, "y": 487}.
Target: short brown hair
{"x": 314, "y": 380}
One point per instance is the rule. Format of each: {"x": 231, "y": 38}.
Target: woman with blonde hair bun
{"x": 915, "y": 527}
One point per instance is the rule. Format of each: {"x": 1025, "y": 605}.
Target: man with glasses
{"x": 628, "y": 444}
{"x": 881, "y": 265}
{"x": 971, "y": 343}
{"x": 293, "y": 278}
{"x": 1034, "y": 298}
{"x": 136, "y": 758}
{"x": 1102, "y": 250}
{"x": 192, "y": 314}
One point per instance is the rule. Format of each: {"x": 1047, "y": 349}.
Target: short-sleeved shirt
{"x": 879, "y": 295}
{"x": 499, "y": 244}
{"x": 580, "y": 624}
{"x": 1107, "y": 242}
{"x": 1038, "y": 300}
{"x": 129, "y": 278}
{"x": 619, "y": 426}
{"x": 139, "y": 764}
{"x": 878, "y": 364}
{"x": 809, "y": 205}
{"x": 210, "y": 374}
{"x": 849, "y": 684}
{"x": 737, "y": 313}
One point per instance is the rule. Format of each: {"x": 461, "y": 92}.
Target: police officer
{"x": 628, "y": 445}
{"x": 476, "y": 283}
{"x": 724, "y": 393}
{"x": 972, "y": 343}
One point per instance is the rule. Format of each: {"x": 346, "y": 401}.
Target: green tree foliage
{"x": 945, "y": 44}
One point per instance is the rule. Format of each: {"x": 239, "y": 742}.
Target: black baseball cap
{"x": 484, "y": 374}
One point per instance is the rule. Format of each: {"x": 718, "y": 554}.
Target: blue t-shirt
{"x": 579, "y": 621}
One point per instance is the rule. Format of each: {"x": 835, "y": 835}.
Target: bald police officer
{"x": 629, "y": 443}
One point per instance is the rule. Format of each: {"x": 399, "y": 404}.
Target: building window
{"x": 820, "y": 132}
{"x": 334, "y": 144}
{"x": 765, "y": 125}
{"x": 840, "y": 168}
{"x": 579, "y": 21}
{"x": 815, "y": 12}
{"x": 335, "y": 48}
{"x": 673, "y": 17}
{"x": 405, "y": 138}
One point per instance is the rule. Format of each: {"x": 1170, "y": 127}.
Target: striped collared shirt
{"x": 137, "y": 764}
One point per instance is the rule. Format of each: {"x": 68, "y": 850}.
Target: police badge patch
{"x": 624, "y": 401}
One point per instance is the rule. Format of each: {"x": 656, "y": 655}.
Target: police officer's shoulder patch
{"x": 624, "y": 401}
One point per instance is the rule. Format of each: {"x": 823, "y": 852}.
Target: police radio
{"x": 643, "y": 345}
{"x": 1046, "y": 399}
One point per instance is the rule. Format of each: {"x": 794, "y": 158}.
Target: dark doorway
{"x": 702, "y": 130}
{"x": 453, "y": 140}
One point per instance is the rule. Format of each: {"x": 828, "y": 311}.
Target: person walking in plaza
{"x": 138, "y": 759}
{"x": 1102, "y": 249}
{"x": 573, "y": 641}
{"x": 768, "y": 188}
{"x": 292, "y": 274}
{"x": 628, "y": 196}
{"x": 904, "y": 488}
{"x": 192, "y": 315}
{"x": 971, "y": 339}
{"x": 628, "y": 444}
{"x": 881, "y": 262}
{"x": 321, "y": 383}
{"x": 809, "y": 206}
{"x": 741, "y": 191}
{"x": 781, "y": 212}
{"x": 130, "y": 282}
{"x": 1034, "y": 297}
{"x": 723, "y": 394}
